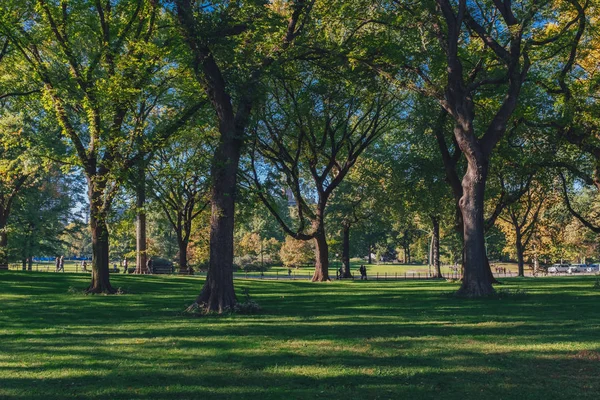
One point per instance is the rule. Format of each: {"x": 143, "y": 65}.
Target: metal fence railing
{"x": 295, "y": 275}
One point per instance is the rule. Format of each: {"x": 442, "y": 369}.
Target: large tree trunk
{"x": 476, "y": 279}
{"x": 322, "y": 258}
{"x": 140, "y": 237}
{"x": 183, "y": 265}
{"x": 30, "y": 264}
{"x": 435, "y": 247}
{"x": 346, "y": 273}
{"x": 455, "y": 184}
{"x": 218, "y": 294}
{"x": 520, "y": 251}
{"x": 459, "y": 226}
{"x": 100, "y": 261}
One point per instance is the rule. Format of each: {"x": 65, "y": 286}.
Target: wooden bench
{"x": 163, "y": 269}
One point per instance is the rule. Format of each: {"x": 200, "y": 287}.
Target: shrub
{"x": 296, "y": 252}
{"x": 246, "y": 263}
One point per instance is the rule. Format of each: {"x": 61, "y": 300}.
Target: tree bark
{"x": 435, "y": 248}
{"x": 450, "y": 164}
{"x": 100, "y": 244}
{"x": 218, "y": 294}
{"x": 100, "y": 261}
{"x": 140, "y": 237}
{"x": 183, "y": 265}
{"x": 476, "y": 279}
{"x": 520, "y": 251}
{"x": 346, "y": 273}
{"x": 30, "y": 264}
{"x": 322, "y": 258}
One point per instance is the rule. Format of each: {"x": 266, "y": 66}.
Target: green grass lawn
{"x": 340, "y": 340}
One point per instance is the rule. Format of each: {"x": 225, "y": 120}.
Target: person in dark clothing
{"x": 149, "y": 265}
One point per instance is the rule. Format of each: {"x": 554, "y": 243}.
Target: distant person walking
{"x": 57, "y": 263}
{"x": 125, "y": 266}
{"x": 149, "y": 265}
{"x": 62, "y": 263}
{"x": 363, "y": 272}
{"x": 84, "y": 266}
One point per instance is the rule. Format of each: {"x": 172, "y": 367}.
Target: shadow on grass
{"x": 339, "y": 340}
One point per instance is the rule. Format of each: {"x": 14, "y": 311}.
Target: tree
{"x": 16, "y": 172}
{"x": 76, "y": 239}
{"x": 179, "y": 183}
{"x": 231, "y": 48}
{"x": 359, "y": 197}
{"x": 23, "y": 130}
{"x": 310, "y": 134}
{"x": 295, "y": 253}
{"x": 521, "y": 219}
{"x": 40, "y": 217}
{"x": 103, "y": 71}
{"x": 422, "y": 196}
{"x": 121, "y": 227}
{"x": 571, "y": 86}
{"x": 486, "y": 48}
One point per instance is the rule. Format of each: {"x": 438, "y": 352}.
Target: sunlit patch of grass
{"x": 341, "y": 340}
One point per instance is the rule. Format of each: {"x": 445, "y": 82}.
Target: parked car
{"x": 574, "y": 268}
{"x": 558, "y": 268}
{"x": 593, "y": 268}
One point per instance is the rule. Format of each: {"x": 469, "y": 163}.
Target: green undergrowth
{"x": 339, "y": 340}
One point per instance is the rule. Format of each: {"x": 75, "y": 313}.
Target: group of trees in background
{"x": 223, "y": 134}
